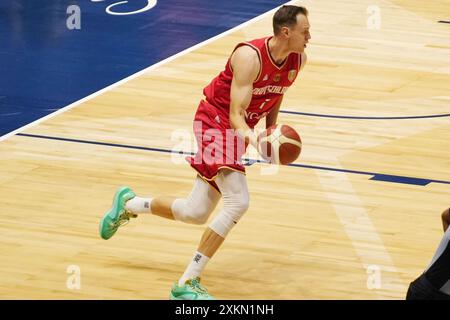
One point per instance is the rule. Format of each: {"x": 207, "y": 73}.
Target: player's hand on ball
{"x": 279, "y": 144}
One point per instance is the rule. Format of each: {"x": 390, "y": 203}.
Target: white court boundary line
{"x": 139, "y": 73}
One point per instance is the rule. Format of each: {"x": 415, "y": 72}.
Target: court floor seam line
{"x": 249, "y": 162}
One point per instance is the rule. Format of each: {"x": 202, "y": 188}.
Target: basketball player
{"x": 250, "y": 88}
{"x": 434, "y": 283}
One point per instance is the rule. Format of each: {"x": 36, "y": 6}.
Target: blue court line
{"x": 364, "y": 118}
{"x": 249, "y": 162}
{"x": 100, "y": 143}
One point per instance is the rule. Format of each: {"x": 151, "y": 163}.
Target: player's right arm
{"x": 445, "y": 219}
{"x": 245, "y": 64}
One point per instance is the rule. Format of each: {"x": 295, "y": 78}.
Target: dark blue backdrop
{"x": 45, "y": 66}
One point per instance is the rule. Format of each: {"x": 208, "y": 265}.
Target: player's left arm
{"x": 272, "y": 117}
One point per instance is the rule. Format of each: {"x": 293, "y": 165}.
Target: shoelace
{"x": 124, "y": 219}
{"x": 196, "y": 284}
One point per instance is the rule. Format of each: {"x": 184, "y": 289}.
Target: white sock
{"x": 139, "y": 205}
{"x": 194, "y": 268}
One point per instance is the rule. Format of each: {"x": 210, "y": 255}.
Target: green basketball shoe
{"x": 192, "y": 290}
{"x": 117, "y": 215}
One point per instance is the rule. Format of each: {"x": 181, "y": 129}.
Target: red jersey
{"x": 272, "y": 82}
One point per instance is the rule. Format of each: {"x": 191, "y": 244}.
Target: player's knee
{"x": 197, "y": 215}
{"x": 242, "y": 204}
{"x": 237, "y": 204}
{"x": 228, "y": 217}
{"x": 183, "y": 210}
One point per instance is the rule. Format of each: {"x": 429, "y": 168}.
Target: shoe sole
{"x": 121, "y": 193}
{"x": 172, "y": 297}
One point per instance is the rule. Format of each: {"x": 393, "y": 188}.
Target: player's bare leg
{"x": 161, "y": 206}
{"x": 210, "y": 242}
{"x": 195, "y": 208}
{"x": 233, "y": 186}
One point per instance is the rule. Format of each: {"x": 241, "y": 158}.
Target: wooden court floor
{"x": 312, "y": 232}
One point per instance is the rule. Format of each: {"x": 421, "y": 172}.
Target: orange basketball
{"x": 280, "y": 144}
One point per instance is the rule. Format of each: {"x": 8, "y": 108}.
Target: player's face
{"x": 299, "y": 34}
